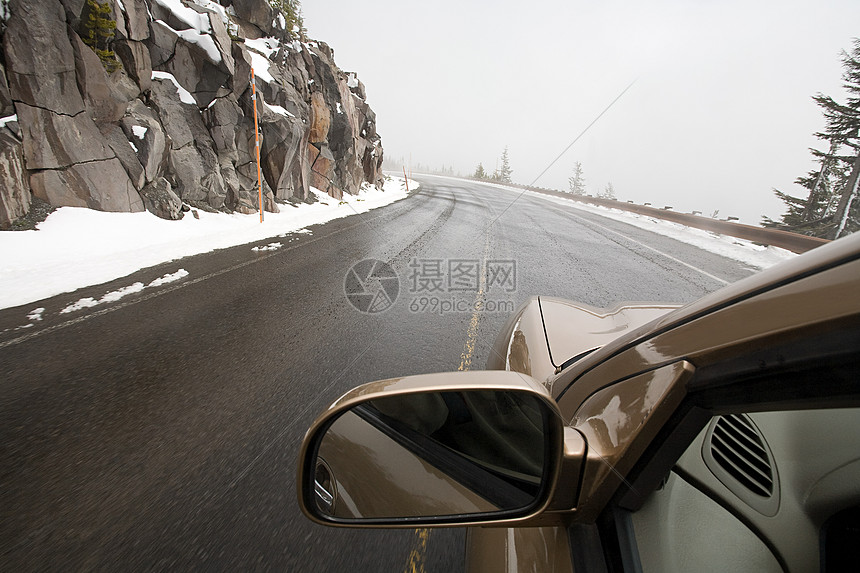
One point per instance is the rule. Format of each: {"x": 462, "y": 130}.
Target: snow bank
{"x": 730, "y": 247}
{"x": 77, "y": 247}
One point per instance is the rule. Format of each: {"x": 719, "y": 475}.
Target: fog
{"x": 720, "y": 112}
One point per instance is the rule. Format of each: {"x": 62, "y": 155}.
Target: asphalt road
{"x": 161, "y": 432}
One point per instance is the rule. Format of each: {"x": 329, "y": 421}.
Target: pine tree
{"x": 479, "y": 172}
{"x": 292, "y": 11}
{"x": 99, "y": 31}
{"x": 577, "y": 182}
{"x": 831, "y": 208}
{"x": 608, "y": 192}
{"x": 505, "y": 171}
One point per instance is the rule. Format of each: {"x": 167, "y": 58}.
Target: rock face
{"x": 172, "y": 122}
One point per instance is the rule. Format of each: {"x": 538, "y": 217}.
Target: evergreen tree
{"x": 292, "y": 11}
{"x": 831, "y": 208}
{"x": 99, "y": 31}
{"x": 505, "y": 171}
{"x": 577, "y": 181}
{"x": 608, "y": 192}
{"x": 479, "y": 172}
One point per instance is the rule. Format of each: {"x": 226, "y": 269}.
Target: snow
{"x": 279, "y": 110}
{"x": 77, "y": 247}
{"x": 261, "y": 67}
{"x": 133, "y": 146}
{"x": 197, "y": 21}
{"x": 215, "y": 7}
{"x": 266, "y": 46}
{"x": 139, "y": 131}
{"x": 205, "y": 41}
{"x": 731, "y": 247}
{"x": 7, "y": 119}
{"x": 168, "y": 278}
{"x": 339, "y": 109}
{"x": 269, "y": 247}
{"x": 36, "y": 314}
{"x": 184, "y": 95}
{"x": 352, "y": 81}
{"x": 741, "y": 250}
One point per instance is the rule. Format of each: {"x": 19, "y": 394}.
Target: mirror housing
{"x": 450, "y": 449}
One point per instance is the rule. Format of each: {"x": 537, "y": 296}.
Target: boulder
{"x": 161, "y": 44}
{"x": 14, "y": 184}
{"x": 241, "y": 79}
{"x": 136, "y": 61}
{"x": 160, "y": 200}
{"x": 320, "y": 118}
{"x": 126, "y": 151}
{"x": 175, "y": 115}
{"x": 198, "y": 71}
{"x": 101, "y": 185}
{"x": 6, "y": 106}
{"x": 194, "y": 168}
{"x": 53, "y": 140}
{"x": 136, "y": 20}
{"x": 256, "y": 12}
{"x": 39, "y": 58}
{"x": 142, "y": 128}
{"x": 102, "y": 103}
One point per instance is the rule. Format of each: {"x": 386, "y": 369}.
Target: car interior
{"x": 756, "y": 492}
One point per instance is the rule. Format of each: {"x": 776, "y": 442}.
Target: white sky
{"x": 720, "y": 114}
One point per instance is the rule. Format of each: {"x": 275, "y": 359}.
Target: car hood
{"x": 574, "y": 329}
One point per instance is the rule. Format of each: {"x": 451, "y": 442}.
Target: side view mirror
{"x": 454, "y": 448}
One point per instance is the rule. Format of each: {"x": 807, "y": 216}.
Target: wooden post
{"x": 257, "y": 142}
{"x": 406, "y": 179}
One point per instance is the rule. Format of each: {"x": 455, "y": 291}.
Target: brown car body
{"x": 637, "y": 384}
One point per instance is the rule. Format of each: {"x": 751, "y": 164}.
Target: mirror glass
{"x": 432, "y": 454}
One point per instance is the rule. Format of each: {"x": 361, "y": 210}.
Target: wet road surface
{"x": 161, "y": 432}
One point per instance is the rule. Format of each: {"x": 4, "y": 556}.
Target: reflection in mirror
{"x": 433, "y": 454}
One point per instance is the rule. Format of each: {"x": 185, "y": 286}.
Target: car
{"x": 723, "y": 435}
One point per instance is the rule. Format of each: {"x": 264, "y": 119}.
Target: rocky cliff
{"x": 161, "y": 116}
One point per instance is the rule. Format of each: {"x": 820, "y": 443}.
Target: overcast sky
{"x": 720, "y": 112}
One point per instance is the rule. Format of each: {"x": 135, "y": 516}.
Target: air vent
{"x": 738, "y": 448}
{"x": 737, "y": 454}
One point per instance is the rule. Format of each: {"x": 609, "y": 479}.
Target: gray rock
{"x": 160, "y": 200}
{"x": 53, "y": 140}
{"x": 256, "y": 12}
{"x": 136, "y": 20}
{"x": 193, "y": 68}
{"x": 101, "y": 185}
{"x": 161, "y": 44}
{"x": 153, "y": 147}
{"x": 175, "y": 115}
{"x": 125, "y": 153}
{"x": 136, "y": 61}
{"x": 241, "y": 80}
{"x": 102, "y": 103}
{"x": 194, "y": 168}
{"x": 14, "y": 183}
{"x": 222, "y": 41}
{"x": 39, "y": 57}
{"x": 73, "y": 8}
{"x": 6, "y": 107}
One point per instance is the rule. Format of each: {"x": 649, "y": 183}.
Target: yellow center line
{"x": 417, "y": 556}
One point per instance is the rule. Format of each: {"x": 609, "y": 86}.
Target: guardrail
{"x": 794, "y": 242}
